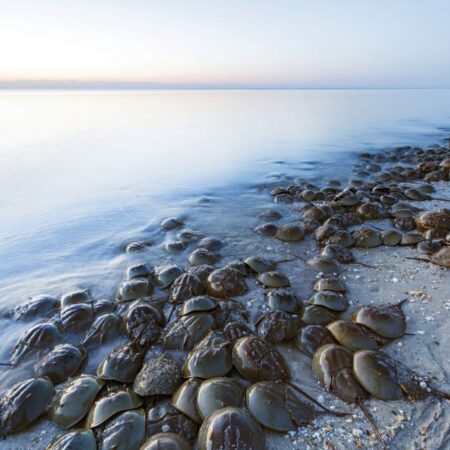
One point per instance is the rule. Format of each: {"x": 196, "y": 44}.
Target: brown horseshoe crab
{"x": 230, "y": 427}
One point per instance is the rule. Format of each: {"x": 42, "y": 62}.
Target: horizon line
{"x": 137, "y": 85}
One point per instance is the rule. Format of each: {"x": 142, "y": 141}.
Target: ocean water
{"x": 83, "y": 173}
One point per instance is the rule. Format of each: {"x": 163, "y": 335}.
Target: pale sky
{"x": 314, "y": 43}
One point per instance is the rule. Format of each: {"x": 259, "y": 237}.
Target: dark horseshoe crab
{"x": 166, "y": 441}
{"x": 217, "y": 393}
{"x": 73, "y": 440}
{"x": 61, "y": 363}
{"x": 230, "y": 427}
{"x": 23, "y": 403}
{"x": 281, "y": 406}
{"x": 38, "y": 306}
{"x": 257, "y": 360}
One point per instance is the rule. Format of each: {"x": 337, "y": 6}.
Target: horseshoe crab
{"x": 61, "y": 363}
{"x": 225, "y": 283}
{"x": 38, "y": 306}
{"x": 260, "y": 265}
{"x": 203, "y": 256}
{"x": 318, "y": 315}
{"x": 277, "y": 326}
{"x": 189, "y": 236}
{"x": 429, "y": 246}
{"x": 138, "y": 246}
{"x": 270, "y": 214}
{"x": 230, "y": 427}
{"x": 143, "y": 324}
{"x": 198, "y": 304}
{"x": 290, "y": 233}
{"x": 103, "y": 306}
{"x": 404, "y": 223}
{"x": 211, "y": 357}
{"x": 274, "y": 280}
{"x": 175, "y": 246}
{"x": 73, "y": 298}
{"x": 113, "y": 402}
{"x": 167, "y": 441}
{"x": 352, "y": 335}
{"x": 211, "y": 243}
{"x": 166, "y": 275}
{"x": 77, "y": 317}
{"x": 280, "y": 406}
{"x": 387, "y": 379}
{"x": 142, "y": 270}
{"x": 266, "y": 229}
{"x": 329, "y": 299}
{"x": 284, "y": 300}
{"x": 333, "y": 367}
{"x": 185, "y": 332}
{"x": 330, "y": 284}
{"x": 171, "y": 223}
{"x": 338, "y": 252}
{"x": 217, "y": 393}
{"x": 73, "y": 440}
{"x": 122, "y": 364}
{"x": 230, "y": 310}
{"x": 160, "y": 375}
{"x": 201, "y": 272}
{"x": 104, "y": 327}
{"x": 74, "y": 401}
{"x": 37, "y": 338}
{"x": 236, "y": 329}
{"x": 371, "y": 211}
{"x": 257, "y": 360}
{"x": 323, "y": 265}
{"x": 185, "y": 287}
{"x": 185, "y": 399}
{"x": 367, "y": 238}
{"x": 312, "y": 337}
{"x": 387, "y": 321}
{"x": 23, "y": 403}
{"x": 125, "y": 431}
{"x": 165, "y": 417}
{"x": 134, "y": 289}
{"x": 391, "y": 238}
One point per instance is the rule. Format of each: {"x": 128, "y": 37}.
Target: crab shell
{"x": 230, "y": 427}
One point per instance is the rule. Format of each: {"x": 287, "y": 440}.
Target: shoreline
{"x": 423, "y": 284}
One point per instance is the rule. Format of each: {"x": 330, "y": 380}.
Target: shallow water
{"x": 84, "y": 173}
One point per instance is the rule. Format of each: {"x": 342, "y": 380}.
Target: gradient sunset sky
{"x": 316, "y": 43}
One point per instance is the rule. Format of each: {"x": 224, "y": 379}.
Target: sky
{"x": 281, "y": 43}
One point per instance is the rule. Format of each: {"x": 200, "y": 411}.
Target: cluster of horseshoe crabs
{"x": 194, "y": 366}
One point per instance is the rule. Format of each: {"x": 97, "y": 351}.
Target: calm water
{"x": 84, "y": 173}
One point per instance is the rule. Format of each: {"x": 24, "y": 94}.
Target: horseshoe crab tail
{"x": 309, "y": 397}
{"x": 365, "y": 265}
{"x": 371, "y": 420}
{"x": 417, "y": 259}
{"x": 8, "y": 364}
{"x": 440, "y": 394}
{"x": 171, "y": 312}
